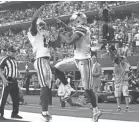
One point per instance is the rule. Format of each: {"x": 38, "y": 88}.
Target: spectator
{"x": 96, "y": 70}
{"x": 27, "y": 80}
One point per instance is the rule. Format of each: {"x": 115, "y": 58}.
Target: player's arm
{"x": 70, "y": 40}
{"x": 78, "y": 33}
{"x": 66, "y": 27}
{"x": 35, "y": 17}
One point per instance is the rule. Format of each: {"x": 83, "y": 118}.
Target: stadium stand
{"x": 14, "y": 22}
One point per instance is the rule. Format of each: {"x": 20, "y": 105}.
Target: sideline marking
{"x": 35, "y": 117}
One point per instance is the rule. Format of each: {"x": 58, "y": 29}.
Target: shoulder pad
{"x": 81, "y": 29}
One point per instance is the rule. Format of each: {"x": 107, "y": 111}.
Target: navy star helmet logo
{"x": 79, "y": 14}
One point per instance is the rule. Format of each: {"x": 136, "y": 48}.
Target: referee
{"x": 9, "y": 75}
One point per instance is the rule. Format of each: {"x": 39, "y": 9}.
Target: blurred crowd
{"x": 54, "y": 10}
{"x": 126, "y": 29}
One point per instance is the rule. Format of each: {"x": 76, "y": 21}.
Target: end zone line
{"x": 35, "y": 117}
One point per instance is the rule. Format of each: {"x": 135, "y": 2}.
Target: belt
{"x": 46, "y": 57}
{"x": 10, "y": 78}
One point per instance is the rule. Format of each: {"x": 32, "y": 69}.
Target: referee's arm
{"x": 4, "y": 80}
{"x": 18, "y": 73}
{"x": 2, "y": 63}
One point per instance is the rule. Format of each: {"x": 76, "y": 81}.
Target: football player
{"x": 40, "y": 44}
{"x": 80, "y": 38}
{"x": 39, "y": 37}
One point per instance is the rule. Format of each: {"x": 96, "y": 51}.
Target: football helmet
{"x": 78, "y": 18}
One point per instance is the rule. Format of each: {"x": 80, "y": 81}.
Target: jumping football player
{"x": 39, "y": 38}
{"x": 41, "y": 52}
{"x": 80, "y": 38}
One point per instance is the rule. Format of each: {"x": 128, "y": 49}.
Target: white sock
{"x": 95, "y": 110}
{"x": 45, "y": 113}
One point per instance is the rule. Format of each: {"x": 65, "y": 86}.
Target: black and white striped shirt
{"x": 10, "y": 67}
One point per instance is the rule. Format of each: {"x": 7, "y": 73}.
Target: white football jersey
{"x": 82, "y": 47}
{"x": 40, "y": 48}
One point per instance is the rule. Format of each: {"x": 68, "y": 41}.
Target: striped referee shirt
{"x": 10, "y": 67}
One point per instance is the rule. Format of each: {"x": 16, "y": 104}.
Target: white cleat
{"x": 68, "y": 90}
{"x": 96, "y": 116}
{"x": 46, "y": 118}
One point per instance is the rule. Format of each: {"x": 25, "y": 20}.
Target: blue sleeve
{"x": 80, "y": 30}
{"x": 33, "y": 28}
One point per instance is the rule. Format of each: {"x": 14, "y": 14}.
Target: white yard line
{"x": 35, "y": 117}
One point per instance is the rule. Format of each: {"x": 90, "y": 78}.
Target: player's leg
{"x": 94, "y": 88}
{"x": 126, "y": 95}
{"x": 60, "y": 68}
{"x": 61, "y": 76}
{"x": 117, "y": 93}
{"x": 45, "y": 77}
{"x": 85, "y": 68}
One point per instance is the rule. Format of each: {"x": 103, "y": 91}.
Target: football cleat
{"x": 96, "y": 116}
{"x": 68, "y": 90}
{"x": 46, "y": 118}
